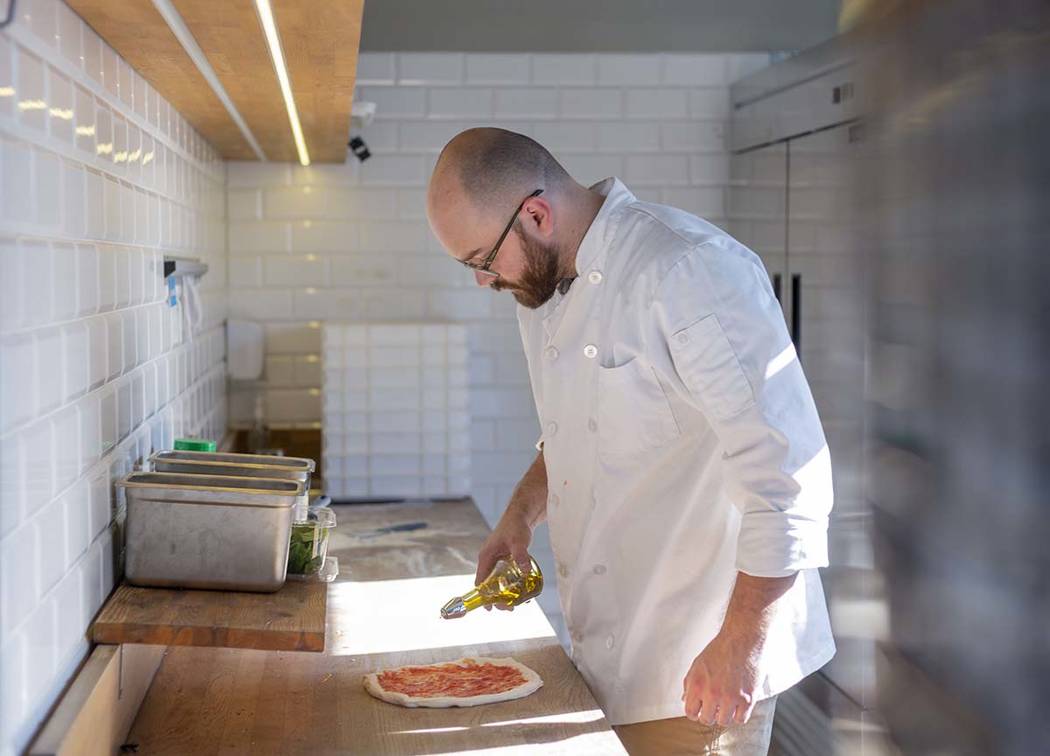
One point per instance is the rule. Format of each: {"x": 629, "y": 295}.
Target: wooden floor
{"x": 382, "y": 611}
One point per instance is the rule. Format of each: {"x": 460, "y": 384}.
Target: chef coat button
{"x": 599, "y": 569}
{"x": 683, "y": 338}
{"x": 552, "y": 428}
{"x": 592, "y": 424}
{"x": 595, "y": 276}
{"x": 577, "y": 637}
{"x": 610, "y": 642}
{"x": 550, "y": 353}
{"x": 590, "y": 351}
{"x": 563, "y": 570}
{"x": 554, "y": 500}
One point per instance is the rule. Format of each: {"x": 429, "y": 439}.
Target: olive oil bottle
{"x": 507, "y": 584}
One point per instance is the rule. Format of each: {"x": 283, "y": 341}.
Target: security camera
{"x": 360, "y": 149}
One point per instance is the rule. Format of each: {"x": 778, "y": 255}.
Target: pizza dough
{"x": 465, "y": 682}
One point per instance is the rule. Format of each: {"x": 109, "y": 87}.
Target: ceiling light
{"x": 273, "y": 41}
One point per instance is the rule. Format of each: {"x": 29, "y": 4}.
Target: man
{"x": 682, "y": 466}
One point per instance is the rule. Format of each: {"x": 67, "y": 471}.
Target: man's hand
{"x": 511, "y": 538}
{"x": 512, "y": 535}
{"x": 723, "y": 680}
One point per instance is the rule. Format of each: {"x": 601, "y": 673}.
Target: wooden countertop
{"x": 383, "y": 611}
{"x": 292, "y": 619}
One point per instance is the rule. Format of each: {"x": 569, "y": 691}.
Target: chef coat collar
{"x": 592, "y": 248}
{"x": 595, "y": 241}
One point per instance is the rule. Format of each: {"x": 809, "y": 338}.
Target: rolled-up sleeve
{"x": 717, "y": 320}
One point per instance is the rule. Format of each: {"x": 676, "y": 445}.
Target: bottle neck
{"x": 472, "y": 599}
{"x": 460, "y": 605}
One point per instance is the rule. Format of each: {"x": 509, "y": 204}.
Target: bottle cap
{"x": 453, "y": 609}
{"x": 194, "y": 444}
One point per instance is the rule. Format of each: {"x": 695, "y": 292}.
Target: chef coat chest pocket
{"x": 709, "y": 367}
{"x": 633, "y": 412}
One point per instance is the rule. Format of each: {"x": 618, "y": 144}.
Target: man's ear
{"x": 539, "y": 216}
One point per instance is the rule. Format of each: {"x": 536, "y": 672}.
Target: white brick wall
{"x": 395, "y": 410}
{"x": 100, "y": 178}
{"x": 655, "y": 120}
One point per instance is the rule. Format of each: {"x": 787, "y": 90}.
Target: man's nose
{"x": 481, "y": 279}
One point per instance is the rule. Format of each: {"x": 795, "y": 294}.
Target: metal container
{"x": 242, "y": 465}
{"x": 208, "y": 531}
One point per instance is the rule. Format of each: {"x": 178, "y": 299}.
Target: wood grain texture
{"x": 231, "y": 37}
{"x": 137, "y": 32}
{"x": 383, "y": 612}
{"x": 320, "y": 41}
{"x": 292, "y": 619}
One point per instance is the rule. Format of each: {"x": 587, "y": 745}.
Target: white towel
{"x": 192, "y": 308}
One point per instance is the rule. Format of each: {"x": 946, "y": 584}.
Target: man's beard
{"x": 539, "y": 280}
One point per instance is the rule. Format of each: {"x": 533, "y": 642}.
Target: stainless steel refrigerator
{"x": 896, "y": 183}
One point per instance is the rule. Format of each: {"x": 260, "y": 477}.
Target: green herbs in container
{"x": 309, "y": 543}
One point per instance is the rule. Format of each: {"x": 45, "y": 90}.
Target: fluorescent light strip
{"x": 273, "y": 40}
{"x": 189, "y": 44}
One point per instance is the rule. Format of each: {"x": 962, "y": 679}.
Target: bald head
{"x": 480, "y": 177}
{"x": 494, "y": 169}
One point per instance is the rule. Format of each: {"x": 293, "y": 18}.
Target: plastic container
{"x": 308, "y": 548}
{"x": 327, "y": 573}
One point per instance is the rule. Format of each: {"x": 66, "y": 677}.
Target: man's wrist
{"x": 751, "y": 607}
{"x": 518, "y": 517}
{"x": 743, "y": 631}
{"x": 518, "y": 511}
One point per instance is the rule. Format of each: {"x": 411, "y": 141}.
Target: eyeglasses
{"x": 486, "y": 264}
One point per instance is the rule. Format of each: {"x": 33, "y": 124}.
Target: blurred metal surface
{"x": 917, "y": 213}
{"x": 955, "y": 220}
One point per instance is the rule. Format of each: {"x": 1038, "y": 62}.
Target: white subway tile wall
{"x": 350, "y": 242}
{"x": 396, "y": 419}
{"x": 100, "y": 179}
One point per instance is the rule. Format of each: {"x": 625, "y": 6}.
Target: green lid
{"x": 194, "y": 444}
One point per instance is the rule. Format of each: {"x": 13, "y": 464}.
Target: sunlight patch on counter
{"x": 400, "y": 615}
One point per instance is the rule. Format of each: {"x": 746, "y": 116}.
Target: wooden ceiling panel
{"x": 136, "y": 30}
{"x": 320, "y": 41}
{"x": 229, "y": 33}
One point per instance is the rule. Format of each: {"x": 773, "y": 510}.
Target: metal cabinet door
{"x": 826, "y": 296}
{"x": 757, "y": 215}
{"x": 825, "y": 287}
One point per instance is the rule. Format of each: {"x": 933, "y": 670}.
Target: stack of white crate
{"x": 396, "y": 417}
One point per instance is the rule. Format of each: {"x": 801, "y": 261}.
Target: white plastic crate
{"x": 396, "y": 410}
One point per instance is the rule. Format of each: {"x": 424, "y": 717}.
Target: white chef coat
{"x": 682, "y": 444}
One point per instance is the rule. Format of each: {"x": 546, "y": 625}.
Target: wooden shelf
{"x": 292, "y": 619}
